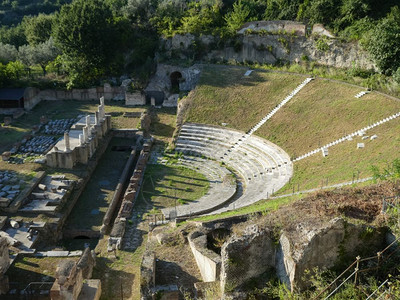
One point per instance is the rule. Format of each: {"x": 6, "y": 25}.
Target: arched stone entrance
{"x": 175, "y": 78}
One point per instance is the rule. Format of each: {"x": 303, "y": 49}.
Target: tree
{"x": 168, "y": 16}
{"x": 319, "y": 11}
{"x": 14, "y": 35}
{"x": 7, "y": 53}
{"x": 86, "y": 35}
{"x": 282, "y": 9}
{"x": 202, "y": 17}
{"x": 237, "y": 17}
{"x": 38, "y": 28}
{"x": 41, "y": 54}
{"x": 383, "y": 42}
{"x": 140, "y": 11}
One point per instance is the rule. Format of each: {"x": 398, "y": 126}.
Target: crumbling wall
{"x": 161, "y": 80}
{"x": 70, "y": 276}
{"x": 323, "y": 247}
{"x": 275, "y": 27}
{"x": 246, "y": 256}
{"x": 4, "y": 264}
{"x": 274, "y": 48}
{"x": 147, "y": 274}
{"x": 305, "y": 247}
{"x": 208, "y": 262}
{"x": 128, "y": 200}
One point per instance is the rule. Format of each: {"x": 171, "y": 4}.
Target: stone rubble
{"x": 10, "y": 186}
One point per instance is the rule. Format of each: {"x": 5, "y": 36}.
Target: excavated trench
{"x": 83, "y": 224}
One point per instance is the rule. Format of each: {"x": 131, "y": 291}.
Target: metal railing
{"x": 379, "y": 258}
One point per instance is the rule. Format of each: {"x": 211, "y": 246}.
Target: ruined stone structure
{"x": 81, "y": 142}
{"x": 128, "y": 200}
{"x": 4, "y": 264}
{"x": 255, "y": 250}
{"x": 275, "y": 27}
{"x": 145, "y": 122}
{"x": 271, "y": 48}
{"x": 168, "y": 80}
{"x": 70, "y": 276}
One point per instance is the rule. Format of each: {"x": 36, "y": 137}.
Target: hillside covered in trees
{"x": 84, "y": 41}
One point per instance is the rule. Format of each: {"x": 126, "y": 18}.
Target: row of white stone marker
{"x": 270, "y": 114}
{"x": 349, "y": 137}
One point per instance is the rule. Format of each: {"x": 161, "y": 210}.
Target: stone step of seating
{"x": 360, "y": 94}
{"x": 262, "y": 167}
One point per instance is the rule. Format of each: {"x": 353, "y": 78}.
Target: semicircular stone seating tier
{"x": 262, "y": 166}
{"x": 222, "y": 187}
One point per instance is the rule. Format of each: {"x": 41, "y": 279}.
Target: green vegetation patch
{"x": 225, "y": 95}
{"x": 28, "y": 269}
{"x": 165, "y": 186}
{"x": 263, "y": 206}
{"x": 345, "y": 162}
{"x": 322, "y": 112}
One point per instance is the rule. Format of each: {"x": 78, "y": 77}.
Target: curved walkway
{"x": 222, "y": 188}
{"x": 262, "y": 167}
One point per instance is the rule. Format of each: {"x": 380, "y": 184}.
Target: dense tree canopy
{"x": 86, "y": 35}
{"x": 383, "y": 42}
{"x": 95, "y": 38}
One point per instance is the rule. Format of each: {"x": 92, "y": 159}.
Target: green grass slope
{"x": 225, "y": 95}
{"x": 321, "y": 112}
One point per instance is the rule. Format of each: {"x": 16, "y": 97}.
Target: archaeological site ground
{"x": 256, "y": 184}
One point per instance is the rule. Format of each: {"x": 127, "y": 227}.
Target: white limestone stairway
{"x": 263, "y": 167}
{"x": 348, "y": 137}
{"x": 243, "y": 138}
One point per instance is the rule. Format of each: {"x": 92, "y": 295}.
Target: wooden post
{"x": 379, "y": 261}
{"x": 356, "y": 269}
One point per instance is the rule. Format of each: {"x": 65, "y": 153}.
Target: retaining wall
{"x": 208, "y": 262}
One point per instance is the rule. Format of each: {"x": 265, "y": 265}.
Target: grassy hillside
{"x": 225, "y": 95}
{"x": 321, "y": 112}
{"x": 324, "y": 111}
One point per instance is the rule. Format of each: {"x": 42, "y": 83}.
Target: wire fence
{"x": 363, "y": 265}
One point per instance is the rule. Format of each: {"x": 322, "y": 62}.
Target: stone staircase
{"x": 262, "y": 167}
{"x": 348, "y": 137}
{"x": 243, "y": 139}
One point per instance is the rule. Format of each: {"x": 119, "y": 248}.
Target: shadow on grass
{"x": 164, "y": 190}
{"x": 116, "y": 283}
{"x": 225, "y": 76}
{"x": 168, "y": 272}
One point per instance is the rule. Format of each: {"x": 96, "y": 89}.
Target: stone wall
{"x": 246, "y": 256}
{"x": 270, "y": 49}
{"x": 70, "y": 277}
{"x": 30, "y": 98}
{"x": 147, "y": 274}
{"x": 323, "y": 248}
{"x": 134, "y": 99}
{"x": 255, "y": 251}
{"x": 208, "y": 262}
{"x": 161, "y": 81}
{"x": 128, "y": 200}
{"x": 275, "y": 27}
{"x": 4, "y": 265}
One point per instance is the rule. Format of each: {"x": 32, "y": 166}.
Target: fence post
{"x": 379, "y": 261}
{"x": 356, "y": 269}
